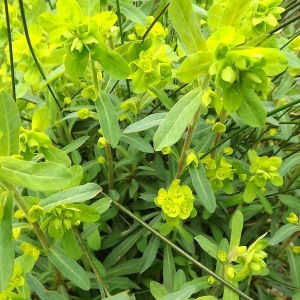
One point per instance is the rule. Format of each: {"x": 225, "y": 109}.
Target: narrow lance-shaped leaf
{"x": 184, "y": 21}
{"x": 203, "y": 188}
{"x": 44, "y": 176}
{"x": 6, "y": 243}
{"x": 9, "y": 125}
{"x": 177, "y": 119}
{"x": 108, "y": 119}
{"x": 69, "y": 267}
{"x": 73, "y": 195}
{"x": 168, "y": 267}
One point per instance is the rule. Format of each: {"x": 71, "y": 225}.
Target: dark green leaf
{"x": 168, "y": 267}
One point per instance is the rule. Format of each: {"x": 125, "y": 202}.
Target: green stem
{"x": 102, "y": 286}
{"x": 180, "y": 251}
{"x": 11, "y": 56}
{"x": 187, "y": 144}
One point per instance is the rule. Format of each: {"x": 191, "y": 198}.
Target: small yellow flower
{"x": 16, "y": 232}
{"x": 296, "y": 249}
{"x": 67, "y": 100}
{"x": 192, "y": 159}
{"x": 211, "y": 280}
{"x": 222, "y": 255}
{"x": 166, "y": 150}
{"x": 102, "y": 142}
{"x": 273, "y": 131}
{"x": 101, "y": 159}
{"x": 292, "y": 218}
{"x": 228, "y": 150}
{"x": 83, "y": 113}
{"x": 219, "y": 127}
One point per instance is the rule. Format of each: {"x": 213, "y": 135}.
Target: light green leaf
{"x": 162, "y": 96}
{"x": 73, "y": 195}
{"x": 207, "y": 245}
{"x": 251, "y": 110}
{"x": 158, "y": 291}
{"x": 9, "y": 125}
{"x": 294, "y": 262}
{"x": 54, "y": 154}
{"x": 43, "y": 294}
{"x": 168, "y": 267}
{"x": 183, "y": 294}
{"x": 127, "y": 267}
{"x": 196, "y": 64}
{"x": 76, "y": 63}
{"x": 44, "y": 176}
{"x": 283, "y": 233}
{"x": 89, "y": 7}
{"x": 75, "y": 144}
{"x": 74, "y": 15}
{"x": 150, "y": 253}
{"x": 146, "y": 123}
{"x": 173, "y": 126}
{"x": 68, "y": 267}
{"x": 203, "y": 188}
{"x": 183, "y": 20}
{"x": 132, "y": 13}
{"x": 137, "y": 142}
{"x": 119, "y": 296}
{"x": 290, "y": 163}
{"x": 57, "y": 72}
{"x": 179, "y": 279}
{"x": 108, "y": 119}
{"x": 111, "y": 62}
{"x": 41, "y": 119}
{"x": 7, "y": 253}
{"x": 291, "y": 201}
{"x": 236, "y": 226}
{"x": 198, "y": 284}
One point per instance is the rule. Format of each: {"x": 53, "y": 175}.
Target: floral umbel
{"x": 263, "y": 170}
{"x": 176, "y": 202}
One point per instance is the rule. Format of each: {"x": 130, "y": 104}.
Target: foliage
{"x": 149, "y": 149}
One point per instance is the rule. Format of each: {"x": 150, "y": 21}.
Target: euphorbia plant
{"x": 180, "y": 116}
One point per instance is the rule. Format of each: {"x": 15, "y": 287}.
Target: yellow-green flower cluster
{"x": 246, "y": 260}
{"x": 219, "y": 171}
{"x": 32, "y": 141}
{"x": 176, "y": 202}
{"x": 263, "y": 170}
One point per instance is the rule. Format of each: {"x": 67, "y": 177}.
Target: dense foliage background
{"x": 149, "y": 149}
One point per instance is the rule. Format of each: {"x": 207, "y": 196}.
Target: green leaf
{"x": 196, "y": 64}
{"x": 7, "y": 253}
{"x": 56, "y": 73}
{"x": 186, "y": 26}
{"x": 108, "y": 119}
{"x": 198, "y": 284}
{"x": 119, "y": 251}
{"x": 36, "y": 286}
{"x": 162, "y": 96}
{"x": 146, "y": 123}
{"x": 54, "y": 154}
{"x": 150, "y": 253}
{"x": 168, "y": 267}
{"x": 183, "y": 294}
{"x": 132, "y": 13}
{"x": 73, "y": 195}
{"x": 236, "y": 226}
{"x": 137, "y": 142}
{"x": 283, "y": 233}
{"x": 230, "y": 15}
{"x": 119, "y": 296}
{"x": 179, "y": 279}
{"x": 158, "y": 290}
{"x": 251, "y": 110}
{"x": 127, "y": 267}
{"x": 69, "y": 267}
{"x": 207, "y": 245}
{"x": 111, "y": 62}
{"x": 173, "y": 126}
{"x": 89, "y": 7}
{"x": 73, "y": 15}
{"x": 290, "y": 163}
{"x": 76, "y": 144}
{"x": 294, "y": 262}
{"x": 203, "y": 188}
{"x": 76, "y": 63}
{"x": 291, "y": 201}
{"x": 9, "y": 125}
{"x": 41, "y": 119}
{"x": 44, "y": 176}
